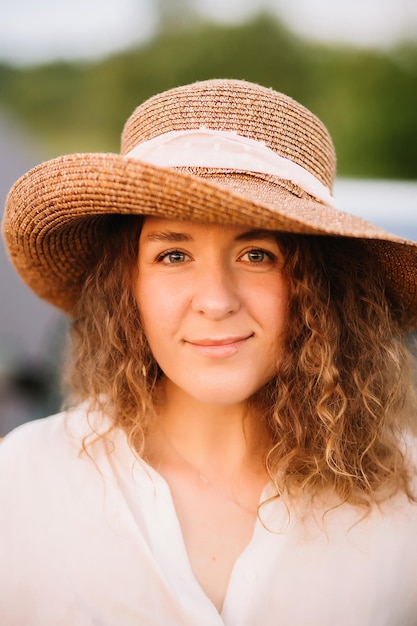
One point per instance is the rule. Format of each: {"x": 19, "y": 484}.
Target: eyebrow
{"x": 175, "y": 237}
{"x": 168, "y": 235}
{"x": 256, "y": 234}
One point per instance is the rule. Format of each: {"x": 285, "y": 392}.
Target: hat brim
{"x": 53, "y": 216}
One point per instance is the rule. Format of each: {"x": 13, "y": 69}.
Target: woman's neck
{"x": 216, "y": 440}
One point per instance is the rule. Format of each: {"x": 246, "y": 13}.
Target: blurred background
{"x": 72, "y": 71}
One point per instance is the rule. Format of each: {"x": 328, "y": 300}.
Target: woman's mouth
{"x": 219, "y": 348}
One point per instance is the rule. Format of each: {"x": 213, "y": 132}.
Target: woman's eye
{"x": 258, "y": 255}
{"x": 174, "y": 256}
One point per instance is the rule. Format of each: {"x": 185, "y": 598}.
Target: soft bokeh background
{"x": 72, "y": 71}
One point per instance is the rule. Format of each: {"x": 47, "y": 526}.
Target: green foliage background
{"x": 367, "y": 99}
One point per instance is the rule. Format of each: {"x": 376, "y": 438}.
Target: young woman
{"x": 239, "y": 443}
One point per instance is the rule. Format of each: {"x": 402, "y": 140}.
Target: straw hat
{"x": 223, "y": 151}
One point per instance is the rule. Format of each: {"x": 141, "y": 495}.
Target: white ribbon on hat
{"x": 225, "y": 150}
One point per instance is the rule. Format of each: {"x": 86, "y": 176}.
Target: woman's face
{"x": 213, "y": 302}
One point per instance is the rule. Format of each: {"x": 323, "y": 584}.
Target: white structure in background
{"x": 389, "y": 204}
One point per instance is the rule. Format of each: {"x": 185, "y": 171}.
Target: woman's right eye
{"x": 171, "y": 257}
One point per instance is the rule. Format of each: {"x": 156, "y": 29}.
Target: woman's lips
{"x": 218, "y": 348}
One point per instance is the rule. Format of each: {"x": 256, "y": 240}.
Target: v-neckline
{"x": 182, "y": 558}
{"x": 165, "y": 536}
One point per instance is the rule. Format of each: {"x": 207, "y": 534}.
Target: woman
{"x": 239, "y": 444}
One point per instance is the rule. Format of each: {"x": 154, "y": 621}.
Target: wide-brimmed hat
{"x": 216, "y": 151}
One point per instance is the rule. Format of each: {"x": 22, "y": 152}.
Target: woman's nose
{"x": 216, "y": 293}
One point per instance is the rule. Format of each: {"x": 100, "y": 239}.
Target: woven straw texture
{"x": 54, "y": 213}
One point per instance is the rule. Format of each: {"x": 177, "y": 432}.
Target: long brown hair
{"x": 338, "y": 402}
{"x": 343, "y": 390}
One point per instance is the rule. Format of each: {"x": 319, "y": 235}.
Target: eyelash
{"x": 270, "y": 256}
{"x": 164, "y": 255}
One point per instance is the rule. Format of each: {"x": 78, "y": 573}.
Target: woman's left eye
{"x": 257, "y": 255}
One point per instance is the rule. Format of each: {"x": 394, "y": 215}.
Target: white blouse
{"x": 94, "y": 539}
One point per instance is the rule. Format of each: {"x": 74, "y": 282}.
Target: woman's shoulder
{"x": 55, "y": 454}
{"x": 49, "y": 436}
{"x": 29, "y": 436}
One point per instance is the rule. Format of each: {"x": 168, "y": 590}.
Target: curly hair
{"x": 343, "y": 387}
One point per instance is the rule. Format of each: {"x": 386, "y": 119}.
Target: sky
{"x": 38, "y": 31}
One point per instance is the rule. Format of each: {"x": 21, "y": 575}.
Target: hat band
{"x": 225, "y": 150}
